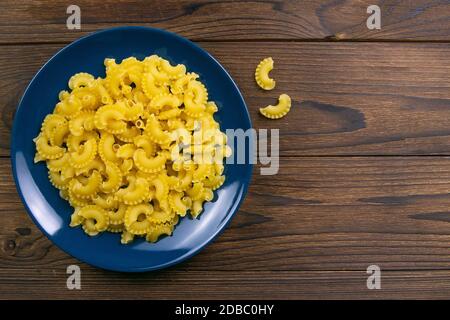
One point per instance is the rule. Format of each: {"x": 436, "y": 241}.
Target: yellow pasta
{"x": 279, "y": 110}
{"x": 136, "y": 192}
{"x": 134, "y": 151}
{"x": 95, "y": 219}
{"x": 86, "y": 188}
{"x": 79, "y": 80}
{"x": 262, "y": 74}
{"x": 113, "y": 178}
{"x": 136, "y": 219}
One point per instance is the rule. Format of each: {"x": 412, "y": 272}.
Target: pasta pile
{"x": 265, "y": 82}
{"x": 136, "y": 150}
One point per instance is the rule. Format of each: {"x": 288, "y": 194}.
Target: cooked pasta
{"x": 136, "y": 150}
{"x": 279, "y": 110}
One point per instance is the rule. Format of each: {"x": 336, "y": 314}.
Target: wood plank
{"x": 317, "y": 214}
{"x": 45, "y": 21}
{"x": 348, "y": 98}
{"x": 50, "y": 283}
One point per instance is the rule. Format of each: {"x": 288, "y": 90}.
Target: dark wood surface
{"x": 219, "y": 20}
{"x": 365, "y": 166}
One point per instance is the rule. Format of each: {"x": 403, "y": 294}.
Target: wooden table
{"x": 365, "y": 150}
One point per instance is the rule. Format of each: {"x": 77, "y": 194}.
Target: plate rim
{"x": 192, "y": 251}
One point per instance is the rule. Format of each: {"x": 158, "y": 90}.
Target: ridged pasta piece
{"x": 157, "y": 230}
{"x": 58, "y": 164}
{"x": 262, "y": 74}
{"x": 116, "y": 228}
{"x": 175, "y": 123}
{"x": 168, "y": 114}
{"x": 64, "y": 194}
{"x": 147, "y": 176}
{"x": 57, "y": 180}
{"x": 161, "y": 187}
{"x": 95, "y": 219}
{"x": 114, "y": 82}
{"x": 126, "y": 237}
{"x": 155, "y": 132}
{"x": 126, "y": 166}
{"x": 197, "y": 208}
{"x": 197, "y": 205}
{"x": 38, "y": 158}
{"x": 105, "y": 201}
{"x": 192, "y": 108}
{"x": 136, "y": 219}
{"x": 84, "y": 121}
{"x": 165, "y": 100}
{"x": 96, "y": 164}
{"x": 184, "y": 180}
{"x": 201, "y": 172}
{"x": 74, "y": 143}
{"x": 139, "y": 96}
{"x": 46, "y": 150}
{"x": 178, "y": 203}
{"x": 131, "y": 110}
{"x": 151, "y": 88}
{"x": 136, "y": 192}
{"x": 214, "y": 182}
{"x": 116, "y": 217}
{"x": 76, "y": 201}
{"x": 59, "y": 135}
{"x": 89, "y": 97}
{"x": 149, "y": 164}
{"x": 211, "y": 107}
{"x": 174, "y": 72}
{"x": 219, "y": 168}
{"x": 126, "y": 151}
{"x": 114, "y": 178}
{"x": 89, "y": 227}
{"x": 144, "y": 142}
{"x": 111, "y": 119}
{"x": 195, "y": 99}
{"x": 81, "y": 79}
{"x": 82, "y": 157}
{"x": 88, "y": 188}
{"x": 279, "y": 110}
{"x": 67, "y": 173}
{"x": 75, "y": 218}
{"x": 198, "y": 90}
{"x": 196, "y": 191}
{"x": 179, "y": 86}
{"x": 105, "y": 147}
{"x": 69, "y": 107}
{"x": 105, "y": 97}
{"x": 129, "y": 134}
{"x": 152, "y": 65}
{"x": 161, "y": 216}
{"x": 51, "y": 122}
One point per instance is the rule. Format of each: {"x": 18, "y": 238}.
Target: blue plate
{"x": 52, "y": 214}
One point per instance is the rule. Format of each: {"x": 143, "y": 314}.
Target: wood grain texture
{"x": 309, "y": 232}
{"x": 364, "y": 174}
{"x": 348, "y": 98}
{"x": 317, "y": 214}
{"x": 45, "y": 20}
{"x": 44, "y": 283}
